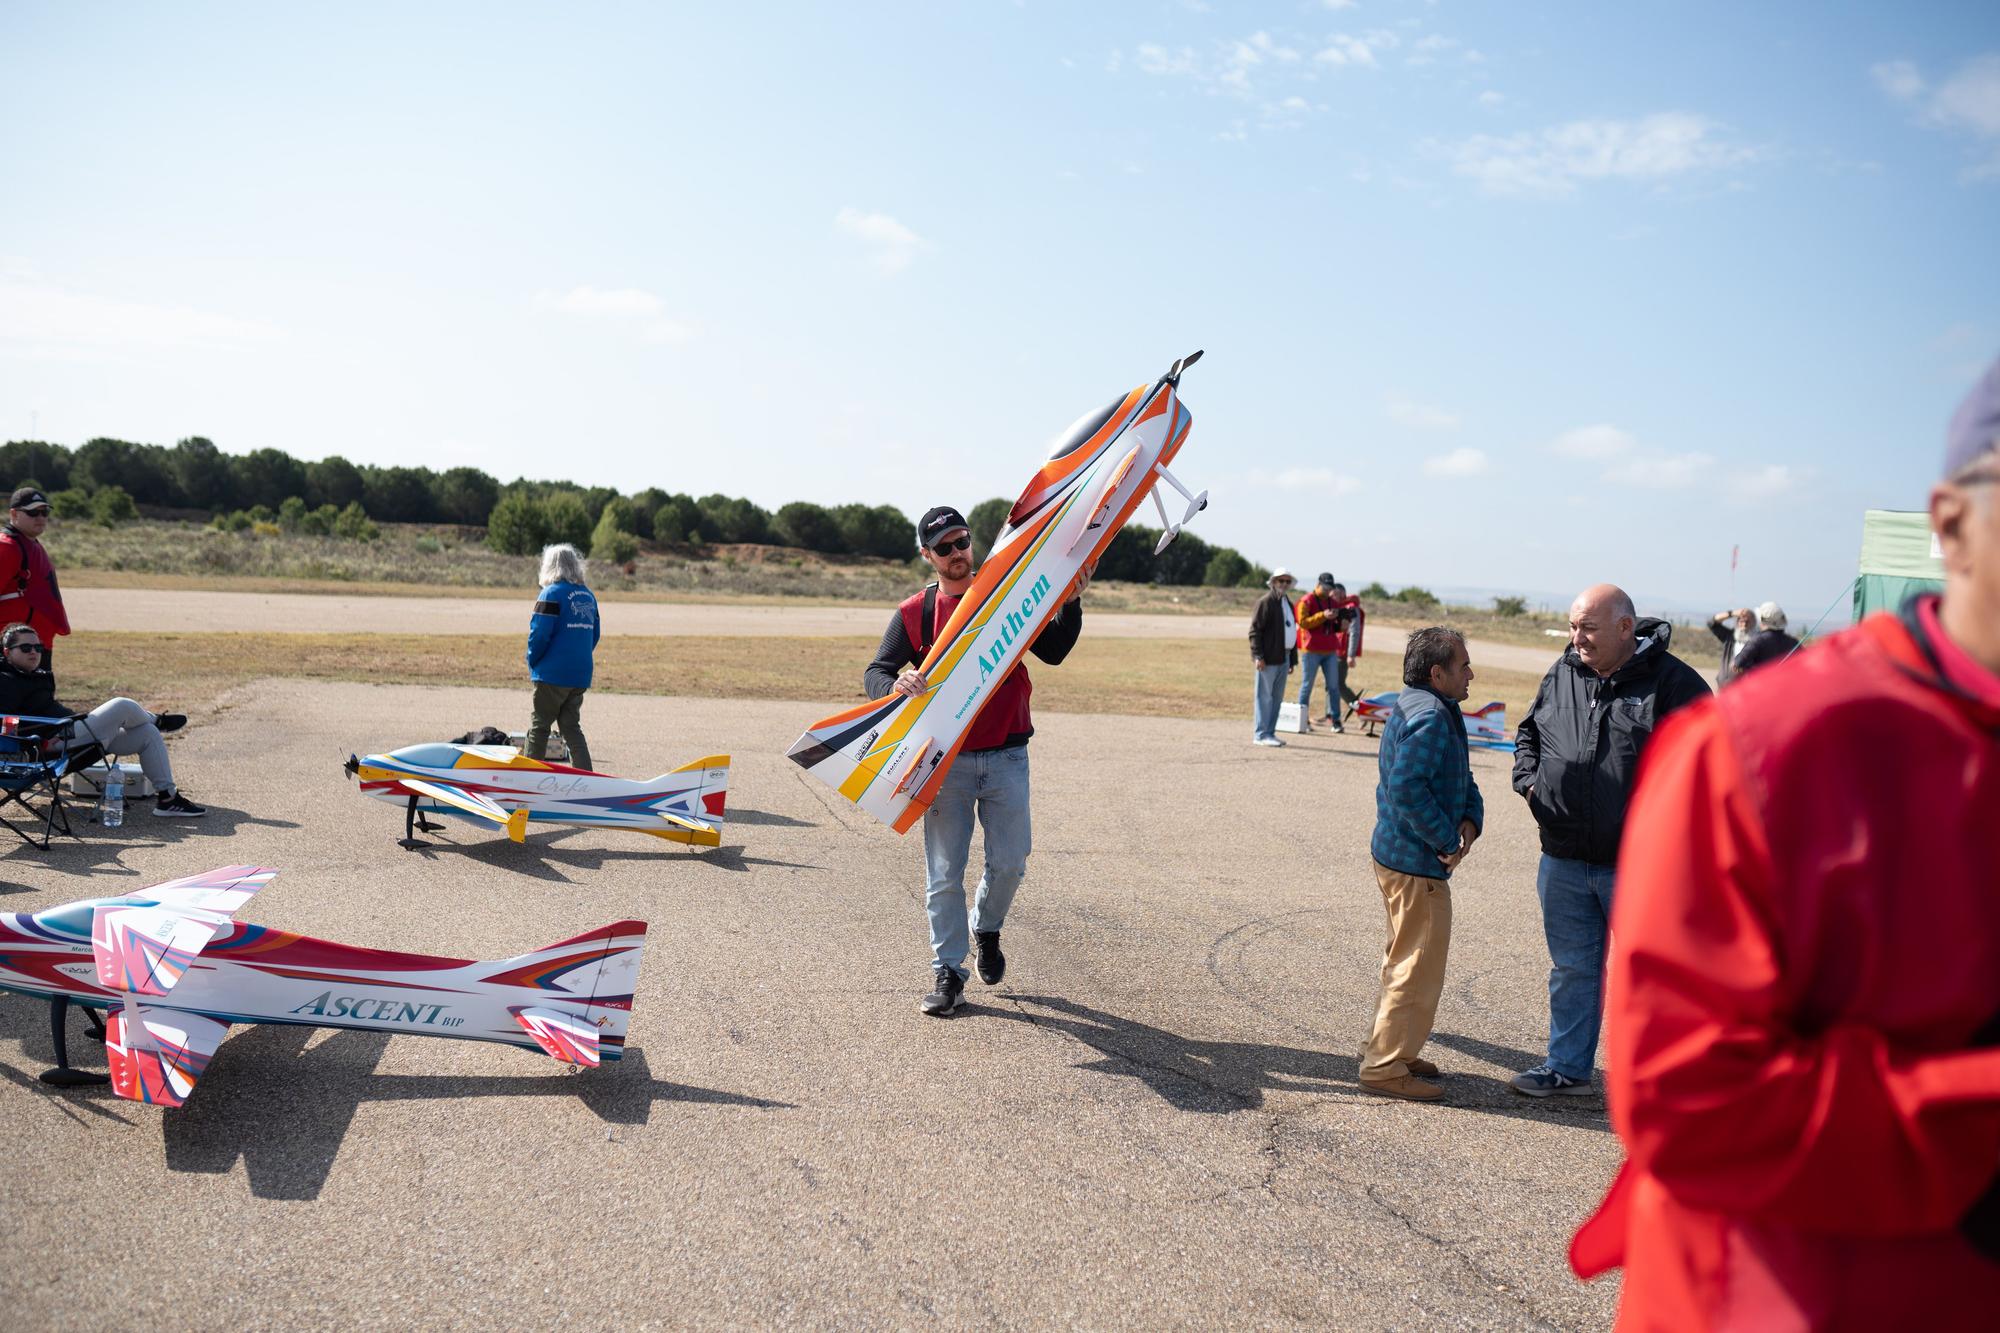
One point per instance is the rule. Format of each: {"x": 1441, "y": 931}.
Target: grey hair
{"x": 1427, "y": 648}
{"x": 562, "y": 563}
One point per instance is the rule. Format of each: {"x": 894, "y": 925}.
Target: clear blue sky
{"x": 1517, "y": 296}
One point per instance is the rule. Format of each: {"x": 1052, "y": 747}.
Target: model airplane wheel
{"x": 1167, "y": 538}
{"x": 1199, "y": 503}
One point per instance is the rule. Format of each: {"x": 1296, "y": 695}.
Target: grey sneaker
{"x": 947, "y": 993}
{"x": 1270, "y": 741}
{"x": 1542, "y": 1081}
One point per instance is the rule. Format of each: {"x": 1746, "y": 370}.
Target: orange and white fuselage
{"x": 889, "y": 756}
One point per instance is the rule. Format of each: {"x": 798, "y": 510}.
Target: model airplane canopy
{"x": 889, "y": 756}
{"x": 176, "y": 970}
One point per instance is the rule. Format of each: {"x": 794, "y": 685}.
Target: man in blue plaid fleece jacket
{"x": 1427, "y": 814}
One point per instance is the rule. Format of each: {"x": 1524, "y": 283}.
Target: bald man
{"x": 1575, "y": 758}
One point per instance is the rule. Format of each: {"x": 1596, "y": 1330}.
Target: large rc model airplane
{"x": 889, "y": 756}
{"x": 496, "y": 784}
{"x": 1485, "y": 729}
{"x": 175, "y": 970}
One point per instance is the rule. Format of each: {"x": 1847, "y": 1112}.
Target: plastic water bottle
{"x": 111, "y": 807}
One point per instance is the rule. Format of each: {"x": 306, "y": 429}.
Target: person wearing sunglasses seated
{"x": 115, "y": 727}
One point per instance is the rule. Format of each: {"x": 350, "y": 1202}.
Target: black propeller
{"x": 1173, "y": 375}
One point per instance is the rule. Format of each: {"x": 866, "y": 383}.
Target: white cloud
{"x": 891, "y": 245}
{"x": 1593, "y": 442}
{"x": 1766, "y": 482}
{"x": 1969, "y": 101}
{"x": 1458, "y": 463}
{"x": 1346, "y": 49}
{"x": 629, "y": 307}
{"x": 56, "y": 317}
{"x": 1338, "y": 5}
{"x": 1661, "y": 471}
{"x": 1898, "y": 78}
{"x": 1155, "y": 59}
{"x": 1553, "y": 161}
{"x": 1489, "y": 98}
{"x": 1323, "y": 479}
{"x": 1420, "y": 415}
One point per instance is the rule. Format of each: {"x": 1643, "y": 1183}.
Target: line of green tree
{"x": 520, "y": 517}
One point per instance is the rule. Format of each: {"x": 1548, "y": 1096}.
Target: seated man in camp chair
{"x": 116, "y": 727}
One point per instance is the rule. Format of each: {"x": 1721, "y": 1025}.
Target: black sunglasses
{"x": 24, "y": 647}
{"x": 39, "y": 511}
{"x": 946, "y": 548}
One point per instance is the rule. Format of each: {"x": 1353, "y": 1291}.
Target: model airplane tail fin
{"x": 693, "y": 815}
{"x": 585, "y": 986}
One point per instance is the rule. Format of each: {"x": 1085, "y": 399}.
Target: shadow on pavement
{"x": 540, "y": 857}
{"x": 758, "y": 818}
{"x": 283, "y": 1103}
{"x": 98, "y": 848}
{"x": 1223, "y": 1076}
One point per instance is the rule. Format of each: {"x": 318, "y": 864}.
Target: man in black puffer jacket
{"x": 1576, "y": 755}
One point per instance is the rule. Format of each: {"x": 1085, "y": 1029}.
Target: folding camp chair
{"x": 29, "y": 767}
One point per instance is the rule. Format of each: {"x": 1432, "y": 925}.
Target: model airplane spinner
{"x": 176, "y": 970}
{"x": 497, "y": 785}
{"x": 1485, "y": 729}
{"x": 889, "y": 756}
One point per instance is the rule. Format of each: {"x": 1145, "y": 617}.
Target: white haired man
{"x": 562, "y": 639}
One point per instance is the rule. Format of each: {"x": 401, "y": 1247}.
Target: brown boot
{"x": 1409, "y": 1087}
{"x": 1422, "y": 1068}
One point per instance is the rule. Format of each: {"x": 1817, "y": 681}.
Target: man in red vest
{"x": 988, "y": 779}
{"x": 1804, "y": 1010}
{"x": 29, "y": 594}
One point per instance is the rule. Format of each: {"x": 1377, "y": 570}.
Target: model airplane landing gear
{"x": 412, "y": 821}
{"x": 62, "y": 1076}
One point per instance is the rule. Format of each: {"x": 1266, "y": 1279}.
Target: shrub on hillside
{"x": 1226, "y": 569}
{"x": 565, "y": 518}
{"x": 1416, "y": 596}
{"x": 611, "y": 542}
{"x": 73, "y": 503}
{"x": 808, "y": 526}
{"x": 1509, "y": 607}
{"x": 881, "y": 530}
{"x": 515, "y": 526}
{"x": 1376, "y": 591}
{"x": 986, "y": 520}
{"x": 619, "y": 512}
{"x": 112, "y": 506}
{"x": 292, "y": 514}
{"x": 355, "y": 525}
{"x": 319, "y": 522}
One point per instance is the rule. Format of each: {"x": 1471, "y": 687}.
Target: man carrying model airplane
{"x": 989, "y": 778}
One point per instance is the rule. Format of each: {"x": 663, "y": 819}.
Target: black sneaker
{"x": 947, "y": 993}
{"x": 992, "y": 963}
{"x": 169, "y": 721}
{"x": 177, "y": 806}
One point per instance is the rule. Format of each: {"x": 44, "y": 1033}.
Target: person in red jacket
{"x": 29, "y": 594}
{"x": 1804, "y": 1010}
{"x": 988, "y": 779}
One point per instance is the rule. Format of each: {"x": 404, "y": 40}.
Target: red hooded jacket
{"x": 1804, "y": 982}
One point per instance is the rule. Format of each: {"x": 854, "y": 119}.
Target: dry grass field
{"x": 1193, "y": 678}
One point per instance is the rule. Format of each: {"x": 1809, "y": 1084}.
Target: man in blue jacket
{"x": 1427, "y": 814}
{"x": 562, "y": 635}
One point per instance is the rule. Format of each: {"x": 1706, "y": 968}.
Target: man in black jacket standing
{"x": 1274, "y": 650}
{"x": 1576, "y": 756}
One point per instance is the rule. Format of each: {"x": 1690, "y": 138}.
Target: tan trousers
{"x": 1412, "y": 971}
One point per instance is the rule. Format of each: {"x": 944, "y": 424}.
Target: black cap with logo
{"x": 26, "y": 498}
{"x": 937, "y": 522}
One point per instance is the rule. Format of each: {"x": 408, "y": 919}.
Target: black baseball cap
{"x": 27, "y": 497}
{"x": 937, "y": 522}
{"x": 1326, "y": 580}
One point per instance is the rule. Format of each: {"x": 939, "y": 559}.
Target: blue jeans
{"x": 1576, "y": 918}
{"x": 1327, "y": 666}
{"x": 994, "y": 785}
{"x": 1270, "y": 692}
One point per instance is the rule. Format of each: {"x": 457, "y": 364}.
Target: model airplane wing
{"x": 156, "y": 1054}
{"x": 514, "y": 821}
{"x": 144, "y": 943}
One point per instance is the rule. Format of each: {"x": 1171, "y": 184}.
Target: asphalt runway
{"x": 177, "y": 610}
{"x": 1152, "y": 1122}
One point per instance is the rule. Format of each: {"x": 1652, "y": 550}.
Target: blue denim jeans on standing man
{"x": 1576, "y": 918}
{"x": 1326, "y": 666}
{"x": 1270, "y": 692}
{"x": 992, "y": 784}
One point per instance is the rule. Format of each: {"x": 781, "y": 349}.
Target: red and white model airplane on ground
{"x": 1485, "y": 728}
{"x": 175, "y": 969}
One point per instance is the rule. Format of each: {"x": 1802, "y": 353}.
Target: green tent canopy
{"x": 1898, "y": 557}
